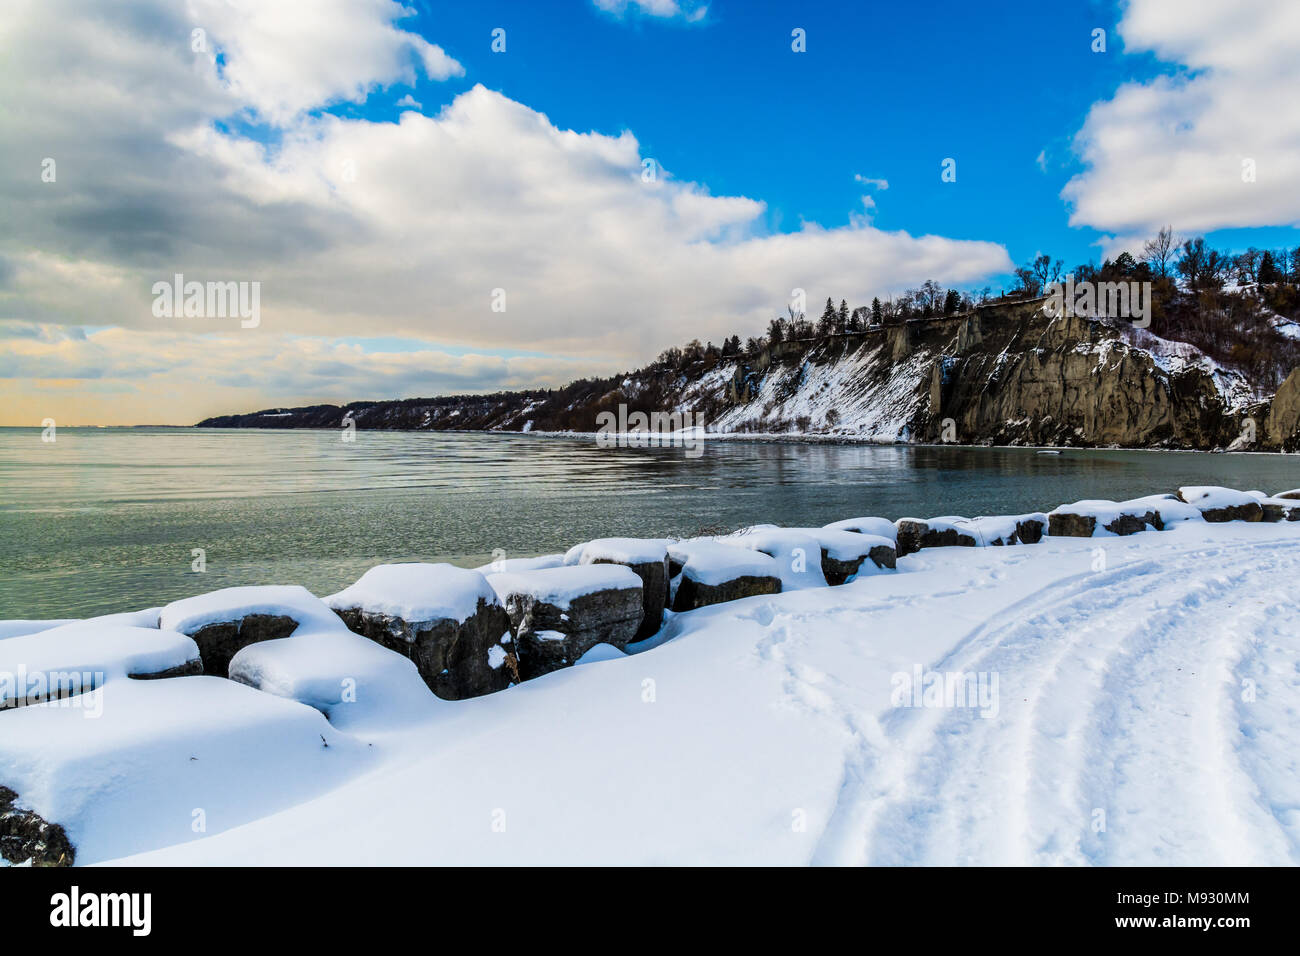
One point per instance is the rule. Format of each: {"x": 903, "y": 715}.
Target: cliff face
{"x": 998, "y": 375}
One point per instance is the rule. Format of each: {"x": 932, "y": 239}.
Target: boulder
{"x": 447, "y": 620}
{"x": 224, "y": 622}
{"x": 1277, "y": 508}
{"x": 74, "y": 659}
{"x": 648, "y": 560}
{"x": 559, "y": 614}
{"x": 844, "y": 553}
{"x": 878, "y": 526}
{"x": 705, "y": 572}
{"x": 26, "y": 838}
{"x": 1222, "y": 504}
{"x": 1086, "y": 519}
{"x": 797, "y": 553}
{"x": 915, "y": 534}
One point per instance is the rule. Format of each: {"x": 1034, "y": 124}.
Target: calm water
{"x": 104, "y": 520}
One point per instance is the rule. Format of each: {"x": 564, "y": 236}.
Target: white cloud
{"x": 881, "y": 184}
{"x": 361, "y": 229}
{"x": 692, "y": 11}
{"x": 283, "y": 58}
{"x": 1171, "y": 150}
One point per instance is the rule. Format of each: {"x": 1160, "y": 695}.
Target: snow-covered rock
{"x": 647, "y": 557}
{"x": 878, "y": 526}
{"x": 558, "y": 614}
{"x": 76, "y": 658}
{"x": 357, "y": 683}
{"x": 446, "y": 619}
{"x": 798, "y": 555}
{"x": 1098, "y": 517}
{"x": 222, "y": 622}
{"x": 1277, "y": 508}
{"x": 706, "y": 572}
{"x": 1222, "y": 504}
{"x": 845, "y": 554}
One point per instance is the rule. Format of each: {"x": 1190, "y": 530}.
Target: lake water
{"x": 105, "y": 520}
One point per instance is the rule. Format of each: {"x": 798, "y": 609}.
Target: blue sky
{"x": 884, "y": 90}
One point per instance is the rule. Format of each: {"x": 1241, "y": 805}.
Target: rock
{"x": 915, "y": 534}
{"x": 1222, "y": 504}
{"x": 648, "y": 560}
{"x": 559, "y": 614}
{"x": 447, "y": 620}
{"x": 1282, "y": 425}
{"x": 25, "y": 836}
{"x": 1084, "y": 519}
{"x": 797, "y": 552}
{"x": 1070, "y": 525}
{"x": 706, "y": 573}
{"x": 224, "y": 622}
{"x": 884, "y": 556}
{"x": 192, "y": 668}
{"x": 844, "y": 552}
{"x": 219, "y": 643}
{"x": 1277, "y": 508}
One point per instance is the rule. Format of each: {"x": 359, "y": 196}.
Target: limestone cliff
{"x": 1005, "y": 374}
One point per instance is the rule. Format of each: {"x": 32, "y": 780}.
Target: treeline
{"x": 1223, "y": 303}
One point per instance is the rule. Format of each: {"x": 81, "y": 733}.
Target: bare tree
{"x": 1159, "y": 252}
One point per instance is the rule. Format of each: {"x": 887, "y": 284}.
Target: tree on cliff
{"x": 1159, "y": 252}
{"x": 877, "y": 316}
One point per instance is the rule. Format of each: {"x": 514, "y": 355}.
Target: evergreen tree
{"x": 844, "y": 315}
{"x": 951, "y": 302}
{"x": 1267, "y": 268}
{"x": 877, "y": 316}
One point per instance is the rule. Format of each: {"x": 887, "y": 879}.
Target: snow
{"x": 619, "y": 551}
{"x": 1153, "y": 692}
{"x": 357, "y": 683}
{"x": 706, "y": 561}
{"x": 561, "y": 586}
{"x": 1206, "y": 497}
{"x": 145, "y": 618}
{"x": 65, "y": 660}
{"x": 233, "y": 604}
{"x": 164, "y": 755}
{"x": 798, "y": 555}
{"x": 417, "y": 592}
{"x": 1107, "y": 511}
{"x": 845, "y": 545}
{"x": 879, "y": 526}
{"x": 17, "y": 628}
{"x": 522, "y": 564}
{"x": 985, "y": 530}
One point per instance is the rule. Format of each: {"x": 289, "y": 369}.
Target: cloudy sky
{"x": 621, "y": 175}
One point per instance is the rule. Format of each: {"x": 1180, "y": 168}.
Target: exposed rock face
{"x": 883, "y": 556}
{"x": 837, "y": 571}
{"x": 1276, "y": 511}
{"x": 913, "y": 535}
{"x": 457, "y": 659}
{"x": 1282, "y": 426}
{"x": 218, "y": 643}
{"x": 26, "y": 836}
{"x": 654, "y": 593}
{"x": 188, "y": 669}
{"x": 1243, "y": 512}
{"x": 554, "y": 635}
{"x": 1069, "y": 525}
{"x": 692, "y": 594}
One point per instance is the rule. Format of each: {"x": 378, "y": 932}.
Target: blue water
{"x": 105, "y": 520}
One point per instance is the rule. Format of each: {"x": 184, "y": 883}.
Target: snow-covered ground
{"x": 1133, "y": 700}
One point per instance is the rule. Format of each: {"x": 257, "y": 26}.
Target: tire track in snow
{"x": 1095, "y": 714}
